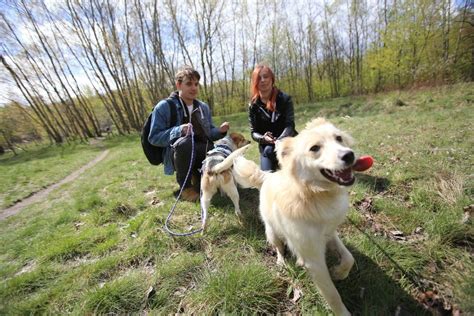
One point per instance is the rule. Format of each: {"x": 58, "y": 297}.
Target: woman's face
{"x": 265, "y": 83}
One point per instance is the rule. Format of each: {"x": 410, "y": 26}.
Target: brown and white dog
{"x": 304, "y": 202}
{"x": 217, "y": 171}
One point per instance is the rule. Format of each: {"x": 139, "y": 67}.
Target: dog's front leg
{"x": 273, "y": 240}
{"x": 340, "y": 271}
{"x": 319, "y": 271}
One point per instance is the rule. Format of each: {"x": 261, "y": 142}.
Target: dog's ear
{"x": 236, "y": 137}
{"x": 316, "y": 122}
{"x": 284, "y": 149}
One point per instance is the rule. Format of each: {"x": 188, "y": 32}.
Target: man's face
{"x": 188, "y": 89}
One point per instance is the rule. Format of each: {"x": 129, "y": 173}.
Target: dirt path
{"x": 35, "y": 197}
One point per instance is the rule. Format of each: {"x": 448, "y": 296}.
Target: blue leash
{"x": 203, "y": 212}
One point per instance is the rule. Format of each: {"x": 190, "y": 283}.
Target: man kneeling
{"x": 177, "y": 139}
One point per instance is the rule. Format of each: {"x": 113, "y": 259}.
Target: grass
{"x": 97, "y": 244}
{"x": 245, "y": 287}
{"x": 38, "y": 168}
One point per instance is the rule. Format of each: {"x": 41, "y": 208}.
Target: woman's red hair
{"x": 271, "y": 103}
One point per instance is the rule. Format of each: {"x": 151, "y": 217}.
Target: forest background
{"x": 72, "y": 70}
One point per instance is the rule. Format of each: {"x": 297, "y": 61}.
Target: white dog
{"x": 217, "y": 171}
{"x": 304, "y": 202}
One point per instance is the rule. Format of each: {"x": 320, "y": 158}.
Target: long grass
{"x": 97, "y": 245}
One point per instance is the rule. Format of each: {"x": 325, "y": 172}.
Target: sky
{"x": 7, "y": 87}
{"x": 9, "y": 91}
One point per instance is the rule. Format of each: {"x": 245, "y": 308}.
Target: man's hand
{"x": 224, "y": 127}
{"x": 185, "y": 129}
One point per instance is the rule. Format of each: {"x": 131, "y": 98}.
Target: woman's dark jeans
{"x": 268, "y": 159}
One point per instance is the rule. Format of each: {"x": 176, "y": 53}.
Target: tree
{"x": 128, "y": 51}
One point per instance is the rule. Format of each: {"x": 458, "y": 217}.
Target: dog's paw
{"x": 300, "y": 262}
{"x": 240, "y": 217}
{"x": 240, "y": 220}
{"x": 281, "y": 261}
{"x": 339, "y": 273}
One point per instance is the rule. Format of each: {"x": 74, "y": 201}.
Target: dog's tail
{"x": 229, "y": 161}
{"x": 248, "y": 174}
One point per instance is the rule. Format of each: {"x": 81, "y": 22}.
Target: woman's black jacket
{"x": 280, "y": 123}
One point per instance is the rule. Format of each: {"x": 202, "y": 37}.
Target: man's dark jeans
{"x": 182, "y": 152}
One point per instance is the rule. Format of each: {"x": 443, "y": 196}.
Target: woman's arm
{"x": 289, "y": 118}
{"x": 256, "y": 136}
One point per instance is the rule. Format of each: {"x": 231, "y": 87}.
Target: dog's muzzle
{"x": 345, "y": 176}
{"x": 341, "y": 177}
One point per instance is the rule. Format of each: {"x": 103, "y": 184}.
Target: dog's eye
{"x": 339, "y": 139}
{"x": 315, "y": 148}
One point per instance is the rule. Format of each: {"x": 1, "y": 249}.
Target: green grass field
{"x": 97, "y": 244}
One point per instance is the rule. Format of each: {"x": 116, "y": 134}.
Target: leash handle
{"x": 203, "y": 212}
{"x": 189, "y": 130}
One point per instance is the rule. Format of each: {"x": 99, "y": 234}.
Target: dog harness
{"x": 221, "y": 150}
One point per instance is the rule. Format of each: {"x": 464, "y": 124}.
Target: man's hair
{"x": 187, "y": 72}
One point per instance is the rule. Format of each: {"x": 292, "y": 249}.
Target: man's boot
{"x": 190, "y": 195}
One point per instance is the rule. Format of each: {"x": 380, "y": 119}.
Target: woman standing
{"x": 271, "y": 115}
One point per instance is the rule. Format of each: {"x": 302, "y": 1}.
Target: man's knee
{"x": 182, "y": 146}
{"x": 186, "y": 153}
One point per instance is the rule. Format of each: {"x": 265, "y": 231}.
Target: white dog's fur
{"x": 217, "y": 172}
{"x": 304, "y": 202}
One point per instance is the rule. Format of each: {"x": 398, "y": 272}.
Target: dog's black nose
{"x": 348, "y": 157}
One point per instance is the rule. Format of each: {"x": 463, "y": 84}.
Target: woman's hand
{"x": 268, "y": 138}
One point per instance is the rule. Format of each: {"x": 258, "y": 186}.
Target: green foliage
{"x": 247, "y": 288}
{"x": 16, "y": 126}
{"x": 123, "y": 295}
{"x": 97, "y": 245}
{"x": 39, "y": 167}
{"x": 29, "y": 282}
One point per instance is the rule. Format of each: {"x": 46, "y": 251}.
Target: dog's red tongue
{"x": 363, "y": 163}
